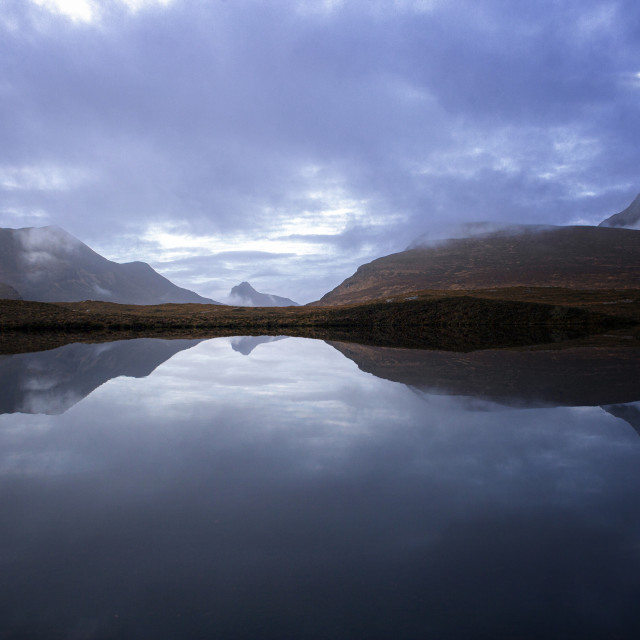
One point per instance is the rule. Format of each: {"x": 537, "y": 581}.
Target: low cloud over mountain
{"x": 48, "y": 264}
{"x": 628, "y": 218}
{"x": 572, "y": 257}
{"x": 245, "y": 295}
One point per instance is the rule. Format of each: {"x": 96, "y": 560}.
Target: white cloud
{"x": 23, "y": 217}
{"x": 546, "y": 153}
{"x": 90, "y": 11}
{"x": 374, "y": 6}
{"x": 597, "y": 21}
{"x": 173, "y": 244}
{"x": 44, "y": 177}
{"x": 75, "y": 10}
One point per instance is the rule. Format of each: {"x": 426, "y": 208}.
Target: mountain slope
{"x": 7, "y": 292}
{"x": 572, "y": 257}
{"x": 47, "y": 264}
{"x": 245, "y": 295}
{"x": 628, "y": 218}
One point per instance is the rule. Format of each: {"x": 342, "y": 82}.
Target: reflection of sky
{"x": 288, "y": 494}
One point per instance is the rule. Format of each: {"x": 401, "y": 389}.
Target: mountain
{"x": 629, "y": 218}
{"x": 7, "y": 292}
{"x": 47, "y": 264}
{"x": 245, "y": 295}
{"x": 53, "y": 381}
{"x": 572, "y": 257}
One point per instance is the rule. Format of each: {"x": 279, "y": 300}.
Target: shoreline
{"x": 442, "y": 320}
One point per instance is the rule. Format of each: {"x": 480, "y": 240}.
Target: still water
{"x": 290, "y": 488}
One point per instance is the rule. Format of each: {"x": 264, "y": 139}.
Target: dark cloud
{"x": 375, "y": 122}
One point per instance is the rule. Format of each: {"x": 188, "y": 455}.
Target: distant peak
{"x": 243, "y": 287}
{"x": 245, "y": 294}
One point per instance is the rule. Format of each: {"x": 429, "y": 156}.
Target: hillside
{"x": 244, "y": 294}
{"x": 570, "y": 257}
{"x": 628, "y": 218}
{"x": 47, "y": 264}
{"x": 454, "y": 321}
{"x": 8, "y": 293}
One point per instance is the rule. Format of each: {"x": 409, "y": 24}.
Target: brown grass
{"x": 454, "y": 320}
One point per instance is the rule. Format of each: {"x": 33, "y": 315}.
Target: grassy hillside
{"x": 567, "y": 257}
{"x": 428, "y": 319}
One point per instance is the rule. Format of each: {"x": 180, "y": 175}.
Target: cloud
{"x": 313, "y": 128}
{"x": 91, "y": 11}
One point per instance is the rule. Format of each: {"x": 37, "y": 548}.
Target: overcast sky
{"x": 285, "y": 142}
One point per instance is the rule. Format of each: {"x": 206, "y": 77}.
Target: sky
{"x": 286, "y": 142}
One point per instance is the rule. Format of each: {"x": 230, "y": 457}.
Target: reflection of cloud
{"x": 220, "y": 478}
{"x": 51, "y": 401}
{"x": 53, "y": 381}
{"x": 30, "y": 464}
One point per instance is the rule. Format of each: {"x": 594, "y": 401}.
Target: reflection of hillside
{"x": 246, "y": 344}
{"x": 53, "y": 381}
{"x": 567, "y": 377}
{"x": 630, "y": 413}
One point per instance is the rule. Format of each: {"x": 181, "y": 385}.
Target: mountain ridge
{"x": 628, "y": 218}
{"x": 576, "y": 257}
{"x": 244, "y": 294}
{"x": 48, "y": 264}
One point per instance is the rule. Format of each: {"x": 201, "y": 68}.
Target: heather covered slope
{"x": 48, "y": 264}
{"x": 453, "y": 321}
{"x": 569, "y": 257}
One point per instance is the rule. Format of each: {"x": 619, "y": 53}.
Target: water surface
{"x": 273, "y": 489}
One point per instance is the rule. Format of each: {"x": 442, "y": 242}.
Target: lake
{"x": 293, "y": 488}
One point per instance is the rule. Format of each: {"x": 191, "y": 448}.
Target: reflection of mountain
{"x": 630, "y": 413}
{"x": 566, "y": 377}
{"x": 53, "y": 381}
{"x": 246, "y": 344}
